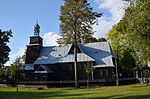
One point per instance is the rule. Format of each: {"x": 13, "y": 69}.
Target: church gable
{"x": 100, "y": 52}
{"x": 43, "y": 69}
{"x": 71, "y": 51}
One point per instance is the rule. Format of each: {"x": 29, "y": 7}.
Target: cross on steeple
{"x": 36, "y": 28}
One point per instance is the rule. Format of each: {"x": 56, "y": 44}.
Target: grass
{"x": 136, "y": 91}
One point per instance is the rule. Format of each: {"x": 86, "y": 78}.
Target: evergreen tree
{"x": 4, "y": 48}
{"x": 77, "y": 18}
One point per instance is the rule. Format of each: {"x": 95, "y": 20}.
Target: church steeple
{"x": 34, "y": 47}
{"x": 36, "y": 29}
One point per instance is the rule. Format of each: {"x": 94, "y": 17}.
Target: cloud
{"x": 50, "y": 39}
{"x": 116, "y": 10}
{"x": 13, "y": 56}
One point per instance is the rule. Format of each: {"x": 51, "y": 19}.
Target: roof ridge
{"x": 94, "y": 42}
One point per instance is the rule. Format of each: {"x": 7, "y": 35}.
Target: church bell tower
{"x": 34, "y": 47}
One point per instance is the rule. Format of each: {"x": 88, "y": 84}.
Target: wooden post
{"x": 92, "y": 75}
{"x": 117, "y": 78}
{"x": 92, "y": 71}
{"x": 17, "y": 80}
{"x": 87, "y": 81}
{"x": 142, "y": 76}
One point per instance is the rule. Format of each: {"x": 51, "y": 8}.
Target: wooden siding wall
{"x": 104, "y": 73}
{"x": 66, "y": 72}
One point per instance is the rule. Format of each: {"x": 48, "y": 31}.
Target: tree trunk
{"x": 75, "y": 66}
{"x": 87, "y": 81}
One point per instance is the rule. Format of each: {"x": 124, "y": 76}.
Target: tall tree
{"x": 4, "y": 48}
{"x": 132, "y": 34}
{"x": 136, "y": 26}
{"x": 77, "y": 18}
{"x": 13, "y": 70}
{"x": 118, "y": 40}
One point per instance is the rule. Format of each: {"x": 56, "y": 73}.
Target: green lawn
{"x": 136, "y": 91}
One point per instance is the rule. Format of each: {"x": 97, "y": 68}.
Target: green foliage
{"x": 10, "y": 71}
{"x": 88, "y": 67}
{"x": 121, "y": 48}
{"x": 118, "y": 40}
{"x": 2, "y": 73}
{"x": 90, "y": 40}
{"x": 24, "y": 57}
{"x": 126, "y": 61}
{"x": 4, "y": 48}
{"x": 101, "y": 40}
{"x": 136, "y": 25}
{"x": 131, "y": 35}
{"x": 76, "y": 19}
{"x": 93, "y": 39}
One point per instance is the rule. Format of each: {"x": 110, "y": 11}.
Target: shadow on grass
{"x": 143, "y": 85}
{"x": 123, "y": 97}
{"x": 37, "y": 95}
{"x": 64, "y": 95}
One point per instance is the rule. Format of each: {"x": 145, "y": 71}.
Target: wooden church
{"x": 56, "y": 63}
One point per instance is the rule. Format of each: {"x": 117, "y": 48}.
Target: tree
{"x": 13, "y": 69}
{"x": 118, "y": 39}
{"x": 76, "y": 19}
{"x": 88, "y": 69}
{"x": 2, "y": 74}
{"x": 24, "y": 57}
{"x": 11, "y": 72}
{"x": 4, "y": 48}
{"x": 136, "y": 26}
{"x": 121, "y": 49}
{"x": 131, "y": 35}
{"x": 93, "y": 39}
{"x": 17, "y": 63}
{"x": 101, "y": 39}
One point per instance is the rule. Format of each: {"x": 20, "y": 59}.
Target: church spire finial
{"x": 36, "y": 28}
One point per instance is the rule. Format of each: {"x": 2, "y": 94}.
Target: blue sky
{"x": 21, "y": 15}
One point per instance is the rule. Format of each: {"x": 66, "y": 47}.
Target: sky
{"x": 21, "y": 15}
